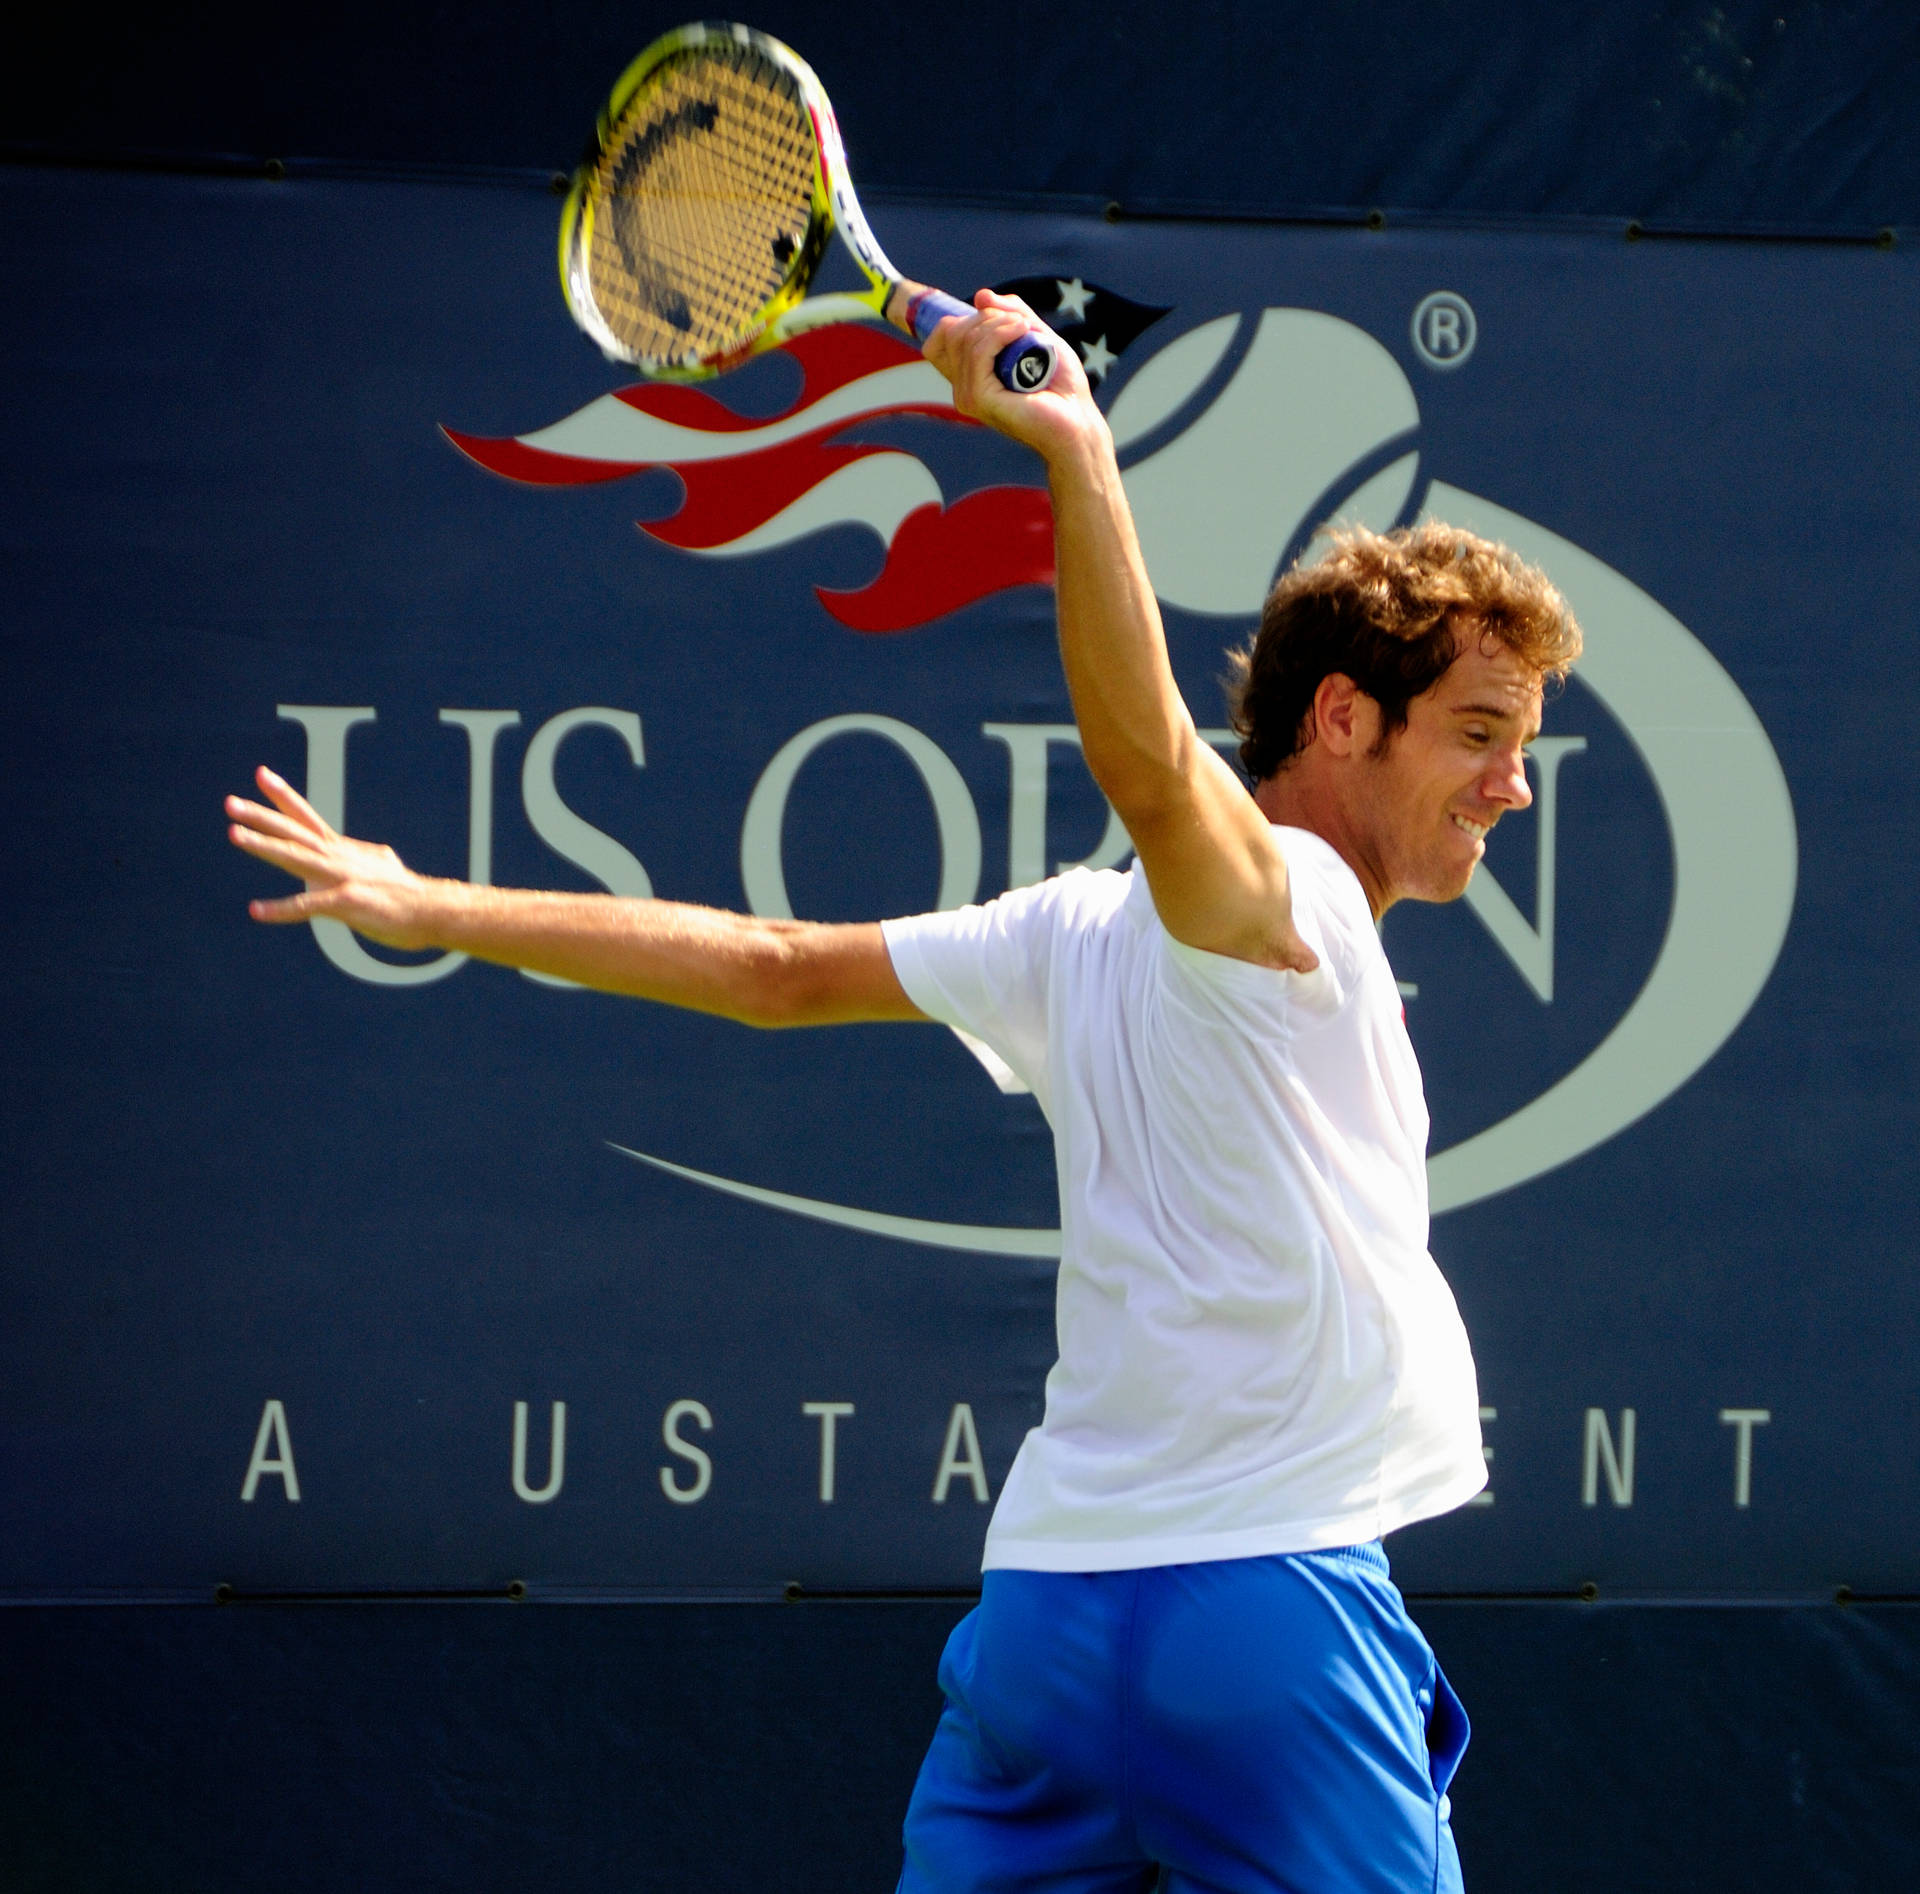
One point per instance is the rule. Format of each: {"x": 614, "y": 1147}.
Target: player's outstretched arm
{"x": 1218, "y": 879}
{"x": 763, "y": 973}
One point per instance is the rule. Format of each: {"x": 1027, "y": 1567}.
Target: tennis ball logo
{"x": 1243, "y": 435}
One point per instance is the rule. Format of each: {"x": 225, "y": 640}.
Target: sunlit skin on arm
{"x": 1219, "y": 880}
{"x": 760, "y": 972}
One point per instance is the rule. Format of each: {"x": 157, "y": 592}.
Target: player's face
{"x": 1452, "y": 772}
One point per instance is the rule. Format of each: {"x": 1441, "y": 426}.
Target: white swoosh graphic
{"x": 988, "y": 1238}
{"x": 608, "y": 429}
{"x": 878, "y": 492}
{"x": 1735, "y": 863}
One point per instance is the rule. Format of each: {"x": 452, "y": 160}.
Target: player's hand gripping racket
{"x": 704, "y": 206}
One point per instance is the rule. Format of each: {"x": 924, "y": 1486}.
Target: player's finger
{"x": 980, "y": 337}
{"x": 1000, "y": 311}
{"x": 251, "y": 816}
{"x": 1007, "y": 319}
{"x": 291, "y": 907}
{"x": 956, "y": 351}
{"x": 1005, "y": 323}
{"x": 998, "y": 331}
{"x": 295, "y": 857}
{"x": 1029, "y": 321}
{"x": 992, "y": 299}
{"x": 284, "y": 796}
{"x": 939, "y": 346}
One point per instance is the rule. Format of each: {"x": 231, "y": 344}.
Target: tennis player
{"x": 1189, "y": 1669}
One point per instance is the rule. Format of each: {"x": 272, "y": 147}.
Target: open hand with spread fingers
{"x": 364, "y": 884}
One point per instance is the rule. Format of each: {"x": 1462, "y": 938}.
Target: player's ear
{"x": 1337, "y": 713}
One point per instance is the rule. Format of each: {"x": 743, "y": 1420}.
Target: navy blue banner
{"x": 1773, "y": 114}
{"x": 333, "y": 1268}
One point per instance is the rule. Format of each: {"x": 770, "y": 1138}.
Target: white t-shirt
{"x": 1257, "y": 1353}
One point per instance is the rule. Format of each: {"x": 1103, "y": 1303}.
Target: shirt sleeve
{"x": 984, "y": 970}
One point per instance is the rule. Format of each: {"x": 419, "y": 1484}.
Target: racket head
{"x": 705, "y": 202}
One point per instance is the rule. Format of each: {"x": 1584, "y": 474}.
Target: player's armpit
{"x": 1218, "y": 878}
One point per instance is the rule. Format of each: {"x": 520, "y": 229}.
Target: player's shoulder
{"x": 1075, "y": 898}
{"x": 1096, "y": 891}
{"x": 1026, "y": 919}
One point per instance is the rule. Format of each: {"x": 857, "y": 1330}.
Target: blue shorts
{"x": 1254, "y": 1726}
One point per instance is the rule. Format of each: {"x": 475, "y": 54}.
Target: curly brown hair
{"x": 1385, "y": 609}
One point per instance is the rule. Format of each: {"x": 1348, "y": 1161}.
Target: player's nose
{"x": 1507, "y": 781}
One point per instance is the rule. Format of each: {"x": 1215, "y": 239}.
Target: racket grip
{"x": 1025, "y": 366}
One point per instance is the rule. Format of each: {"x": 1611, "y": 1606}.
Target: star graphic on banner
{"x": 1099, "y": 322}
{"x": 1074, "y": 297}
{"x": 1098, "y": 358}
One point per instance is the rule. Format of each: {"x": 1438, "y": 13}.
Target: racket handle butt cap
{"x": 1025, "y": 366}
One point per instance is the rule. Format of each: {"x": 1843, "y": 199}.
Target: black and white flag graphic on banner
{"x": 1100, "y": 323}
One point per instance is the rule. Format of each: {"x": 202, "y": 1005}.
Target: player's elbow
{"x": 766, "y": 990}
{"x": 780, "y": 982}
{"x": 811, "y": 974}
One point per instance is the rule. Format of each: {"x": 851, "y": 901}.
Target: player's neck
{"x": 1301, "y": 797}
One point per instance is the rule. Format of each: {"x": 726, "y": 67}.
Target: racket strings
{"x": 702, "y": 195}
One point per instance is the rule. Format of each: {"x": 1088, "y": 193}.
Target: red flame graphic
{"x": 939, "y": 559}
{"x": 944, "y": 558}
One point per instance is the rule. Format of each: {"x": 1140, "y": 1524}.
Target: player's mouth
{"x": 1477, "y": 831}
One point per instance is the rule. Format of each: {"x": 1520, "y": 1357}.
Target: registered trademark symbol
{"x": 1444, "y": 330}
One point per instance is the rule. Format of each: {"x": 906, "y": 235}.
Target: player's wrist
{"x": 1081, "y": 454}
{"x": 437, "y": 912}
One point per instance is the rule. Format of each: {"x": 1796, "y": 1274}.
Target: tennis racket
{"x": 703, "y": 209}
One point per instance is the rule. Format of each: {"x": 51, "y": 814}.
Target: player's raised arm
{"x": 1218, "y": 880}
{"x": 760, "y": 972}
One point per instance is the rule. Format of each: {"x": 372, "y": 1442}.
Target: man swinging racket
{"x": 1189, "y": 1669}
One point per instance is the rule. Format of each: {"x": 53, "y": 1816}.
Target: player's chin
{"x": 1447, "y": 880}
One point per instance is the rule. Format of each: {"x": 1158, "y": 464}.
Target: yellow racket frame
{"x": 834, "y": 210}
